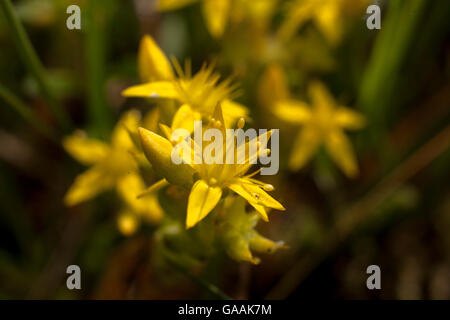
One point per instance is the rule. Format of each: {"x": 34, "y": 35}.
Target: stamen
{"x": 212, "y": 181}
{"x": 268, "y": 187}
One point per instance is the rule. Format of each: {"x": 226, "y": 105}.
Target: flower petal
{"x": 305, "y": 145}
{"x": 86, "y": 151}
{"x": 184, "y": 118}
{"x": 320, "y": 97}
{"x": 256, "y": 196}
{"x": 126, "y": 130}
{"x": 88, "y": 184}
{"x": 157, "y": 89}
{"x": 233, "y": 111}
{"x": 349, "y": 119}
{"x": 158, "y": 151}
{"x": 341, "y": 151}
{"x": 153, "y": 63}
{"x": 292, "y": 111}
{"x": 129, "y": 187}
{"x": 216, "y": 15}
{"x": 202, "y": 199}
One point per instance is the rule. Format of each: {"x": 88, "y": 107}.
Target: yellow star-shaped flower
{"x": 112, "y": 166}
{"x": 213, "y": 178}
{"x": 328, "y": 15}
{"x": 197, "y": 94}
{"x": 323, "y": 124}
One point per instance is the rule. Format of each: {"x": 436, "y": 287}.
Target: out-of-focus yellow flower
{"x": 238, "y": 234}
{"x": 197, "y": 94}
{"x": 328, "y": 15}
{"x": 321, "y": 124}
{"x": 112, "y": 166}
{"x": 215, "y": 12}
{"x": 213, "y": 177}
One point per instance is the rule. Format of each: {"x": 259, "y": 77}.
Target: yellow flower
{"x": 238, "y": 234}
{"x": 215, "y": 12}
{"x": 321, "y": 124}
{"x": 197, "y": 94}
{"x": 328, "y": 15}
{"x": 214, "y": 177}
{"x": 111, "y": 166}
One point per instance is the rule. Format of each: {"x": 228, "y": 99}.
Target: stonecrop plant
{"x": 217, "y": 202}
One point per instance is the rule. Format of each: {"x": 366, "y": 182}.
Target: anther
{"x": 212, "y": 181}
{"x": 241, "y": 123}
{"x": 268, "y": 187}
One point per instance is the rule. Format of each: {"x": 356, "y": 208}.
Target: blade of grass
{"x": 97, "y": 17}
{"x": 32, "y": 62}
{"x": 25, "y": 112}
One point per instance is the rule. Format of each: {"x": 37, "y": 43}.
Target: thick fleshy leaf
{"x": 349, "y": 119}
{"x": 166, "y": 5}
{"x": 341, "y": 150}
{"x": 216, "y": 14}
{"x": 88, "y": 185}
{"x": 153, "y": 63}
{"x": 292, "y": 111}
{"x": 158, "y": 151}
{"x": 157, "y": 89}
{"x": 305, "y": 144}
{"x": 86, "y": 151}
{"x": 202, "y": 199}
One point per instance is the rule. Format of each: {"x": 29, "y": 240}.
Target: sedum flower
{"x": 215, "y": 12}
{"x": 112, "y": 166}
{"x": 328, "y": 15}
{"x": 198, "y": 94}
{"x": 238, "y": 234}
{"x": 323, "y": 123}
{"x": 213, "y": 178}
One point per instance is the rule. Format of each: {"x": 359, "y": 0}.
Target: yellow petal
{"x": 342, "y": 153}
{"x": 257, "y": 197}
{"x": 88, "y": 184}
{"x": 129, "y": 187}
{"x": 157, "y": 89}
{"x": 349, "y": 119}
{"x": 125, "y": 128}
{"x": 86, "y": 151}
{"x": 202, "y": 199}
{"x": 233, "y": 111}
{"x": 305, "y": 144}
{"x": 158, "y": 151}
{"x": 292, "y": 111}
{"x": 166, "y": 5}
{"x": 216, "y": 15}
{"x": 328, "y": 19}
{"x": 153, "y": 63}
{"x": 184, "y": 118}
{"x": 320, "y": 97}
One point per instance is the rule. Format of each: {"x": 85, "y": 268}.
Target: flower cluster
{"x": 197, "y": 208}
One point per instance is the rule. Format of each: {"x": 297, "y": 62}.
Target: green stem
{"x": 203, "y": 283}
{"x": 32, "y": 62}
{"x": 21, "y": 108}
